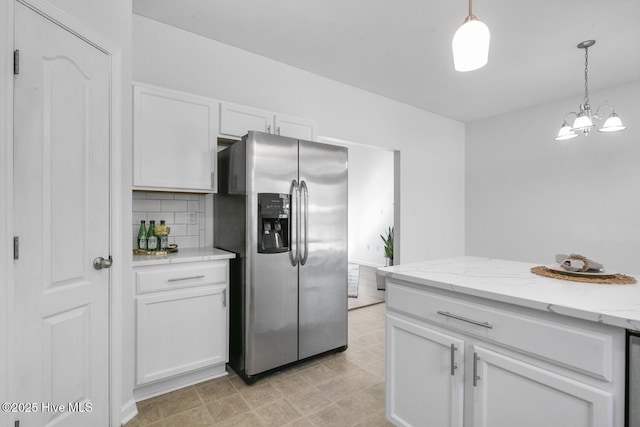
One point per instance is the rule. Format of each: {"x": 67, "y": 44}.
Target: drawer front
{"x": 583, "y": 350}
{"x": 167, "y": 277}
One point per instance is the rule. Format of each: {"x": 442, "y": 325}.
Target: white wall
{"x": 431, "y": 147}
{"x": 529, "y": 197}
{"x": 370, "y": 203}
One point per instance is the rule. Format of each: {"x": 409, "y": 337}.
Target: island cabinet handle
{"x": 454, "y": 365}
{"x": 476, "y": 377}
{"x": 177, "y": 279}
{"x": 465, "y": 319}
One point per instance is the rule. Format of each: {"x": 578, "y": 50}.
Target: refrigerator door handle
{"x": 295, "y": 258}
{"x": 305, "y": 217}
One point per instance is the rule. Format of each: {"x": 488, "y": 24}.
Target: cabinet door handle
{"x": 454, "y": 365}
{"x": 224, "y": 298}
{"x": 476, "y": 377}
{"x": 177, "y": 279}
{"x": 466, "y": 319}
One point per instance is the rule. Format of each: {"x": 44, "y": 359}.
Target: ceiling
{"x": 401, "y": 49}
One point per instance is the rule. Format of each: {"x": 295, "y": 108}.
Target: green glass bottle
{"x": 152, "y": 239}
{"x": 142, "y": 236}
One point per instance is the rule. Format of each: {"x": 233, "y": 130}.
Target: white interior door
{"x": 62, "y": 204}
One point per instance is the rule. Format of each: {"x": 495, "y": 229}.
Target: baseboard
{"x": 128, "y": 411}
{"x": 367, "y": 263}
{"x": 180, "y": 381}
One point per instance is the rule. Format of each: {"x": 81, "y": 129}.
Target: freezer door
{"x": 323, "y": 267}
{"x": 271, "y": 299}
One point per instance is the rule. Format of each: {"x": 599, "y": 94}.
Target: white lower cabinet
{"x": 180, "y": 331}
{"x": 510, "y": 392}
{"x": 181, "y": 325}
{"x": 460, "y": 363}
{"x": 425, "y": 375}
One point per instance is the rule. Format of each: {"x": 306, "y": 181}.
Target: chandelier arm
{"x": 568, "y": 114}
{"x": 604, "y": 106}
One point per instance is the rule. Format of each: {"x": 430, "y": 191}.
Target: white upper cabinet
{"x": 174, "y": 140}
{"x": 237, "y": 120}
{"x": 295, "y": 127}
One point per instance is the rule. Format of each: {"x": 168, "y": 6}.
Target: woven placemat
{"x": 616, "y": 279}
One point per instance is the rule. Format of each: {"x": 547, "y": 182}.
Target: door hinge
{"x": 16, "y": 62}
{"x": 16, "y": 247}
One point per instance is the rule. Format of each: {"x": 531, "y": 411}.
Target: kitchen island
{"x": 483, "y": 342}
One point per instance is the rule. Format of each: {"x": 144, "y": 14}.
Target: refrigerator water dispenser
{"x": 273, "y": 222}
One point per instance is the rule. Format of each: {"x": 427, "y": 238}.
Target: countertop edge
{"x": 627, "y": 318}
{"x": 183, "y": 256}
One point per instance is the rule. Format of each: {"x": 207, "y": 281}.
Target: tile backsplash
{"x": 185, "y": 213}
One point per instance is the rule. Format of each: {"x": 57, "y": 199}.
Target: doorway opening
{"x": 373, "y": 202}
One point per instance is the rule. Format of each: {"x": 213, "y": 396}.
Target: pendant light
{"x": 584, "y": 119}
{"x": 470, "y": 44}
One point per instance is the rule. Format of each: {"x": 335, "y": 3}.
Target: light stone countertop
{"x": 512, "y": 282}
{"x": 183, "y": 255}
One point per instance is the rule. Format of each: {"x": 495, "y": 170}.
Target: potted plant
{"x": 388, "y": 246}
{"x": 388, "y": 253}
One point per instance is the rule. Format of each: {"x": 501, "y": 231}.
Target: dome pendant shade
{"x": 612, "y": 124}
{"x": 583, "y": 122}
{"x": 471, "y": 45}
{"x": 565, "y": 133}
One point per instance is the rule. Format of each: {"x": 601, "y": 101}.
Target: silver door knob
{"x": 100, "y": 263}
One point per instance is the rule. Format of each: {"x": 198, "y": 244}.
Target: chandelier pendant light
{"x": 584, "y": 117}
{"x": 471, "y": 44}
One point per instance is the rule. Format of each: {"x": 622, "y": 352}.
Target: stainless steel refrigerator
{"x": 281, "y": 207}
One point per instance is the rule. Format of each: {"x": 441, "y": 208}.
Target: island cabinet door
{"x": 509, "y": 392}
{"x": 425, "y": 371}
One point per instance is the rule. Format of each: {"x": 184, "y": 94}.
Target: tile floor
{"x": 343, "y": 389}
